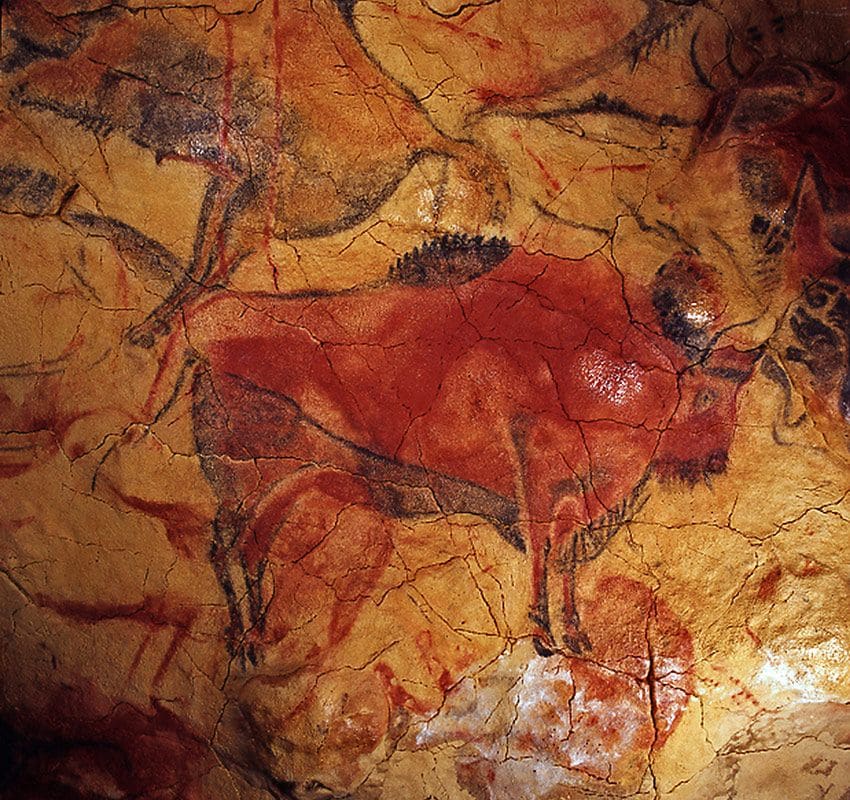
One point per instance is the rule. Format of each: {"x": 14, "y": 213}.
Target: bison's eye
{"x": 817, "y": 294}
{"x": 704, "y": 399}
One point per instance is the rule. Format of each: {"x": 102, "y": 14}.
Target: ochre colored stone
{"x": 424, "y": 399}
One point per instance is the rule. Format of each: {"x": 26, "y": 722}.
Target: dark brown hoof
{"x": 141, "y": 338}
{"x": 542, "y": 648}
{"x": 577, "y": 642}
{"x": 540, "y": 617}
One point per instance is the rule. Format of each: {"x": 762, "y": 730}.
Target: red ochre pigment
{"x": 532, "y": 382}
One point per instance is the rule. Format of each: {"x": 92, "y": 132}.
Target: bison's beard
{"x": 691, "y": 471}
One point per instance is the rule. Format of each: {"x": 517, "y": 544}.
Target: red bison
{"x": 477, "y": 378}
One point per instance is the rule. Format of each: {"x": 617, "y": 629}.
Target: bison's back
{"x": 447, "y": 376}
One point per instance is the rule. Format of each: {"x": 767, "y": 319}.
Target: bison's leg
{"x": 575, "y": 639}
{"x": 544, "y": 642}
{"x": 245, "y": 534}
{"x": 238, "y": 428}
{"x": 239, "y": 582}
{"x": 209, "y": 266}
{"x": 541, "y": 445}
{"x": 321, "y": 544}
{"x": 227, "y": 530}
{"x": 553, "y": 453}
{"x": 266, "y": 517}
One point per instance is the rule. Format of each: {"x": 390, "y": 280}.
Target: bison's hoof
{"x": 540, "y": 617}
{"x": 139, "y": 337}
{"x": 577, "y": 642}
{"x": 242, "y": 650}
{"x": 542, "y": 646}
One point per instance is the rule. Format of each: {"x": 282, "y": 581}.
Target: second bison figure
{"x": 477, "y": 379}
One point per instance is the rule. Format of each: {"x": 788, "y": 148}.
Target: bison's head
{"x": 689, "y": 311}
{"x": 765, "y": 196}
{"x": 784, "y": 129}
{"x": 695, "y": 444}
{"x": 687, "y": 303}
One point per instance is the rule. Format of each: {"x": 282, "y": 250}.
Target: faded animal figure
{"x": 294, "y": 130}
{"x": 477, "y": 379}
{"x": 776, "y": 146}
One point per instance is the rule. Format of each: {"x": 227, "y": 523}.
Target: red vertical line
{"x": 166, "y": 362}
{"x": 122, "y": 289}
{"x": 224, "y": 130}
{"x": 277, "y": 36}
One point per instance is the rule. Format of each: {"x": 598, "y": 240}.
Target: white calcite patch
{"x": 808, "y": 673}
{"x": 546, "y": 723}
{"x": 608, "y": 378}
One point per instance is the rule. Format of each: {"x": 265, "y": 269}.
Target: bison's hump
{"x": 449, "y": 259}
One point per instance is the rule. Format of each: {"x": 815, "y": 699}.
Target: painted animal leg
{"x": 233, "y": 425}
{"x": 264, "y": 521}
{"x": 544, "y": 642}
{"x": 538, "y": 509}
{"x": 208, "y": 265}
{"x": 253, "y": 575}
{"x": 575, "y": 639}
{"x": 280, "y": 533}
{"x": 227, "y": 530}
{"x": 549, "y": 448}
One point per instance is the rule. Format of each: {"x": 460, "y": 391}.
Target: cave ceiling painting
{"x": 425, "y": 399}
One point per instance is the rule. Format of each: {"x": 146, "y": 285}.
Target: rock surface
{"x": 424, "y": 399}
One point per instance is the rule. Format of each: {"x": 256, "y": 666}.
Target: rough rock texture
{"x": 425, "y": 399}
